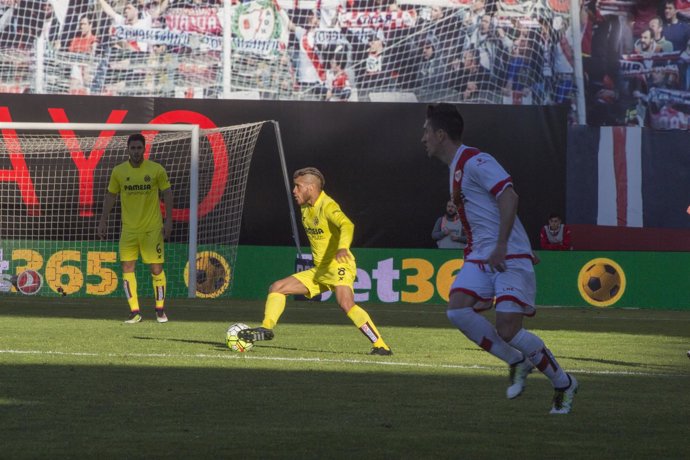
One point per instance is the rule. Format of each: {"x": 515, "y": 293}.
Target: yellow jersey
{"x": 138, "y": 189}
{"x": 327, "y": 228}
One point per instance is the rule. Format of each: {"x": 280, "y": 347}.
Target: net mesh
{"x": 52, "y": 187}
{"x": 502, "y": 52}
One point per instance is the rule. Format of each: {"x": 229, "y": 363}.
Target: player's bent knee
{"x": 276, "y": 288}
{"x": 461, "y": 317}
{"x": 346, "y": 307}
{"x": 507, "y": 329}
{"x": 286, "y": 286}
{"x": 128, "y": 265}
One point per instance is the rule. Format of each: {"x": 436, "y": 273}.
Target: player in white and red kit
{"x": 498, "y": 260}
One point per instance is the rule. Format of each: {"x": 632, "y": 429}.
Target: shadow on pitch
{"x": 228, "y": 311}
{"x": 223, "y": 347}
{"x": 323, "y": 412}
{"x": 624, "y": 363}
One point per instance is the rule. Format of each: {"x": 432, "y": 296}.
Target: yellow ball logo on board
{"x": 601, "y": 282}
{"x": 213, "y": 274}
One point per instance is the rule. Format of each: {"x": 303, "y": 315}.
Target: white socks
{"x": 533, "y": 347}
{"x": 479, "y": 330}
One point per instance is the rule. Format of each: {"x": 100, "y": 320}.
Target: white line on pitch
{"x": 321, "y": 360}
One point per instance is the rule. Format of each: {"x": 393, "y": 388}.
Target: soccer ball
{"x": 601, "y": 281}
{"x": 28, "y": 282}
{"x": 233, "y": 342}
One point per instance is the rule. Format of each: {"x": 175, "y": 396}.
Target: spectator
{"x": 328, "y": 11}
{"x": 471, "y": 19}
{"x": 685, "y": 65}
{"x": 83, "y": 44}
{"x": 543, "y": 54}
{"x": 443, "y": 26}
{"x": 646, "y": 47}
{"x": 493, "y": 44}
{"x": 518, "y": 65}
{"x": 155, "y": 9}
{"x": 377, "y": 74}
{"x": 563, "y": 63}
{"x": 555, "y": 236}
{"x": 311, "y": 73}
{"x": 468, "y": 78}
{"x": 447, "y": 231}
{"x": 675, "y": 31}
{"x": 337, "y": 81}
{"x": 130, "y": 18}
{"x": 430, "y": 73}
{"x": 86, "y": 41}
{"x": 51, "y": 26}
{"x": 656, "y": 25}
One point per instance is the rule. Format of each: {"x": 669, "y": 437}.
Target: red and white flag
{"x": 620, "y": 177}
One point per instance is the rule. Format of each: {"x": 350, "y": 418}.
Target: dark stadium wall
{"x": 371, "y": 155}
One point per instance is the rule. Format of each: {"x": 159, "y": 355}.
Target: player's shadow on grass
{"x": 311, "y": 350}
{"x": 222, "y": 346}
{"x": 218, "y": 345}
{"x": 623, "y": 363}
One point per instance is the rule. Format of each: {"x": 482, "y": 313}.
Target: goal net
{"x": 475, "y": 51}
{"x": 53, "y": 180}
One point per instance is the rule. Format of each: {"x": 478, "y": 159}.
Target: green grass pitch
{"x": 75, "y": 382}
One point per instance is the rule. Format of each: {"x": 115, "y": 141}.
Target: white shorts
{"x": 514, "y": 290}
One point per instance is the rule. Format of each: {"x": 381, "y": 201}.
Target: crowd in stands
{"x": 458, "y": 50}
{"x": 637, "y": 63}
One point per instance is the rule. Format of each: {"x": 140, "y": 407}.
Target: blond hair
{"x": 311, "y": 172}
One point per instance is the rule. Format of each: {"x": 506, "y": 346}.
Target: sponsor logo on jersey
{"x": 138, "y": 188}
{"x": 313, "y": 231}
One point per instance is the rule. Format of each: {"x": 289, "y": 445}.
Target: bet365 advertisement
{"x": 62, "y": 268}
{"x": 564, "y": 278}
{"x": 400, "y": 276}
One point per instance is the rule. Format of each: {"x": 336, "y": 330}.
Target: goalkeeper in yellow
{"x": 139, "y": 183}
{"x": 330, "y": 233}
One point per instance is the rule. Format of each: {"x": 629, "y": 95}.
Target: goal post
{"x": 53, "y": 179}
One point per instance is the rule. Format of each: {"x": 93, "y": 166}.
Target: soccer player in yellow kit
{"x": 139, "y": 182}
{"x": 330, "y": 234}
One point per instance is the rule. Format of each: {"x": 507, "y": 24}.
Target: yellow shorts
{"x": 149, "y": 244}
{"x": 320, "y": 279}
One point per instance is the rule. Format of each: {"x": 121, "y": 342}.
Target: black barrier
{"x": 370, "y": 154}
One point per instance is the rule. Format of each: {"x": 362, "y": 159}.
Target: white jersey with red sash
{"x": 476, "y": 180}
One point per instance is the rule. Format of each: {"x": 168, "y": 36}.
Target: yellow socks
{"x": 159, "y": 285}
{"x": 275, "y": 305}
{"x": 129, "y": 281}
{"x": 366, "y": 325}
